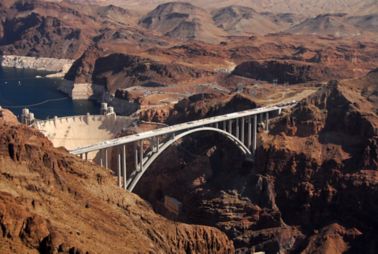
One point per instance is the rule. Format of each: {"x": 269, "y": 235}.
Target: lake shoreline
{"x": 58, "y": 67}
{"x": 20, "y": 87}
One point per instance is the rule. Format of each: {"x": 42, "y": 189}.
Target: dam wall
{"x": 78, "y": 131}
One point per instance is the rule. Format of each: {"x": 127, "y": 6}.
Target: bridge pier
{"x": 119, "y": 171}
{"x": 136, "y": 156}
{"x": 267, "y": 121}
{"x": 141, "y": 156}
{"x": 101, "y": 160}
{"x": 242, "y": 130}
{"x": 254, "y": 134}
{"x": 249, "y": 143}
{"x": 106, "y": 158}
{"x": 237, "y": 129}
{"x": 124, "y": 167}
{"x": 230, "y": 126}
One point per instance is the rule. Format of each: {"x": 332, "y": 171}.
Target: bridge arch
{"x": 134, "y": 181}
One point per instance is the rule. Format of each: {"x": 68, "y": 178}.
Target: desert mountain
{"x": 66, "y": 29}
{"x": 62, "y": 30}
{"x": 241, "y": 20}
{"x": 339, "y": 25}
{"x": 303, "y": 7}
{"x": 182, "y": 21}
{"x": 365, "y": 23}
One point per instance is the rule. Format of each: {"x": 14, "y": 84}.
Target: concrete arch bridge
{"x": 239, "y": 127}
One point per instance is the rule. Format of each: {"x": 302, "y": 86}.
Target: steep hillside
{"x": 53, "y": 202}
{"x": 117, "y": 71}
{"x": 365, "y": 23}
{"x": 60, "y": 30}
{"x": 313, "y": 187}
{"x": 182, "y": 21}
{"x": 240, "y": 20}
{"x": 296, "y": 59}
{"x": 340, "y": 25}
{"x": 303, "y": 7}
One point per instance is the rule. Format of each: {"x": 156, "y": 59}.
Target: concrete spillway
{"x": 78, "y": 131}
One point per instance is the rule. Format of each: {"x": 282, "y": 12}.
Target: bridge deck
{"x": 174, "y": 129}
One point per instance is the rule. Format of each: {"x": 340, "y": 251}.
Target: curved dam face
{"x": 78, "y": 131}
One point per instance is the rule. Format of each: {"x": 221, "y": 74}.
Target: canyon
{"x": 52, "y": 202}
{"x": 313, "y": 185}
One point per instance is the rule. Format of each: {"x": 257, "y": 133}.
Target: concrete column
{"x": 136, "y": 156}
{"x": 230, "y": 127}
{"x": 106, "y": 158}
{"x": 157, "y": 144}
{"x": 237, "y": 129}
{"x": 216, "y": 125}
{"x": 124, "y": 167}
{"x": 141, "y": 156}
{"x": 254, "y": 134}
{"x": 242, "y": 130}
{"x": 224, "y": 126}
{"x": 101, "y": 159}
{"x": 86, "y": 156}
{"x": 267, "y": 121}
{"x": 153, "y": 143}
{"x": 119, "y": 171}
{"x": 249, "y": 133}
{"x": 81, "y": 156}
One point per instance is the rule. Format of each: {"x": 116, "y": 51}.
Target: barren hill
{"x": 303, "y": 7}
{"x": 182, "y": 21}
{"x": 62, "y": 30}
{"x": 365, "y": 23}
{"x": 339, "y": 25}
{"x": 241, "y": 20}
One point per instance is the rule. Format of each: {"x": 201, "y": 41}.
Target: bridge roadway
{"x": 239, "y": 127}
{"x": 173, "y": 129}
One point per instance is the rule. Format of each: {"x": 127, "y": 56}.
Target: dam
{"x": 77, "y": 131}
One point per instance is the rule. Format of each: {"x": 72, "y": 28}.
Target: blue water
{"x": 19, "y": 88}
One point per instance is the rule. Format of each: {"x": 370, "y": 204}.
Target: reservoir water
{"x": 20, "y": 88}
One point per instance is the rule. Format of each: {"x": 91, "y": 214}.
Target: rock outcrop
{"x": 118, "y": 71}
{"x": 282, "y": 72}
{"x": 313, "y": 186}
{"x": 198, "y": 106}
{"x": 182, "y": 21}
{"x": 53, "y": 202}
